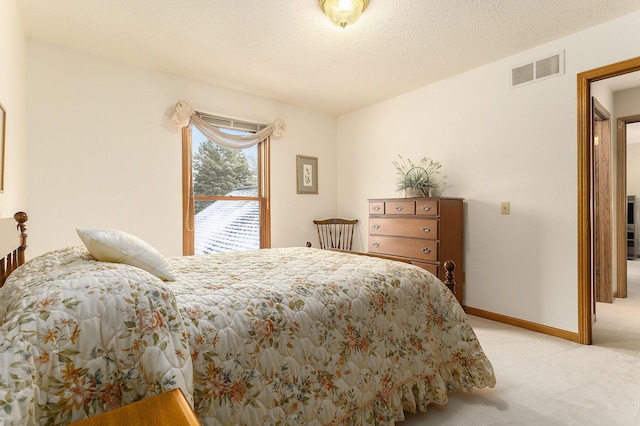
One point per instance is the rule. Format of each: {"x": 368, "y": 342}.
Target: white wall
{"x": 495, "y": 144}
{"x": 12, "y": 98}
{"x": 102, "y": 154}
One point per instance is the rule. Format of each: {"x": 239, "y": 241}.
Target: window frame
{"x": 188, "y": 196}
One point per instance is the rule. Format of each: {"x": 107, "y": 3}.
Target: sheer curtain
{"x": 185, "y": 115}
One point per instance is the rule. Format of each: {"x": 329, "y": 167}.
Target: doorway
{"x": 585, "y": 191}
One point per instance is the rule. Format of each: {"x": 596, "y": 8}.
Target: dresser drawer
{"x": 429, "y": 207}
{"x": 376, "y": 207}
{"x": 404, "y": 227}
{"x": 411, "y": 248}
{"x": 400, "y": 207}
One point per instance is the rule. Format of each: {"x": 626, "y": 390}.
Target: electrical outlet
{"x": 505, "y": 207}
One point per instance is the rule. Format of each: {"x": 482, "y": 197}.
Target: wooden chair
{"x": 335, "y": 233}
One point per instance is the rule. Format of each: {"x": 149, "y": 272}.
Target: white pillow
{"x": 111, "y": 245}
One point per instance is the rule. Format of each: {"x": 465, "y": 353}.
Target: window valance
{"x": 184, "y": 115}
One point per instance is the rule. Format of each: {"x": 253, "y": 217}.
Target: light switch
{"x": 505, "y": 207}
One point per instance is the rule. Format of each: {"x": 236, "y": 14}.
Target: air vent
{"x": 522, "y": 74}
{"x": 540, "y": 69}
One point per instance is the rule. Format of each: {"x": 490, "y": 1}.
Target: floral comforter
{"x": 293, "y": 336}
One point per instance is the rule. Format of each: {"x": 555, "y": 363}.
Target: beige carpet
{"x": 618, "y": 324}
{"x": 543, "y": 380}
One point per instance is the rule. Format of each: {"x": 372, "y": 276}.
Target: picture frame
{"x": 306, "y": 174}
{"x": 3, "y": 127}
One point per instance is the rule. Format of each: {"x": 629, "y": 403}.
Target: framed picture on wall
{"x": 3, "y": 126}
{"x": 307, "y": 174}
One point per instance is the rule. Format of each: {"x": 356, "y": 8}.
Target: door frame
{"x": 585, "y": 219}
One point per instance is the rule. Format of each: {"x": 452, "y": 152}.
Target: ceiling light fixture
{"x": 343, "y": 12}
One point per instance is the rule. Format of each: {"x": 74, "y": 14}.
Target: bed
{"x": 290, "y": 336}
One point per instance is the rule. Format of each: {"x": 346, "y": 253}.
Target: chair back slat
{"x": 335, "y": 233}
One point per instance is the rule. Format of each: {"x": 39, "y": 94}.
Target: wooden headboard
{"x": 13, "y": 243}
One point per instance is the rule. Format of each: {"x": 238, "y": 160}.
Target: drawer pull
{"x": 426, "y": 229}
{"x": 376, "y": 208}
{"x": 426, "y": 208}
{"x": 399, "y": 208}
{"x": 426, "y": 250}
{"x": 376, "y": 245}
{"x": 376, "y": 226}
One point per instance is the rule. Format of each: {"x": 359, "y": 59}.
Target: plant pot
{"x": 412, "y": 193}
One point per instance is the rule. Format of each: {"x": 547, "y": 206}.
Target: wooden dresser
{"x": 427, "y": 231}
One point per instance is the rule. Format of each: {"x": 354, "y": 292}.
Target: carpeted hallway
{"x": 618, "y": 324}
{"x": 543, "y": 380}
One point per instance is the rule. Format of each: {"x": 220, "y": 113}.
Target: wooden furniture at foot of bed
{"x": 13, "y": 243}
{"x": 449, "y": 265}
{"x": 165, "y": 409}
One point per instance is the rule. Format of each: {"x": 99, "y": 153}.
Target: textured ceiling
{"x": 287, "y": 50}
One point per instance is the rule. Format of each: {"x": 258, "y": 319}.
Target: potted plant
{"x": 417, "y": 180}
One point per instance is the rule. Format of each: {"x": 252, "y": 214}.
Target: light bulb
{"x": 343, "y": 12}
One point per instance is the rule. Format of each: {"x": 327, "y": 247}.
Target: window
{"x": 225, "y": 191}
